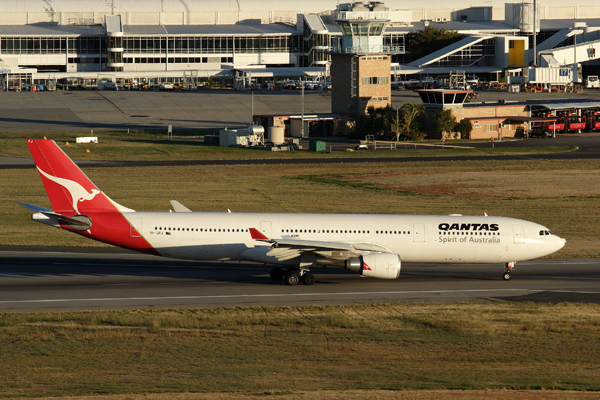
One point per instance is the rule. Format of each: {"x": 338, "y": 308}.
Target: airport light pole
{"x": 302, "y": 100}
{"x": 534, "y": 33}
{"x": 251, "y": 100}
{"x": 397, "y": 116}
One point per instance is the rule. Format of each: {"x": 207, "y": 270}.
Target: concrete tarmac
{"x": 55, "y": 279}
{"x": 85, "y": 110}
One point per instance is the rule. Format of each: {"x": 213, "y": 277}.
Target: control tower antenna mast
{"x": 111, "y": 4}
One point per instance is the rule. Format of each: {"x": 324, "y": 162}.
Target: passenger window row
{"x": 344, "y": 231}
{"x": 321, "y": 231}
{"x": 170, "y": 229}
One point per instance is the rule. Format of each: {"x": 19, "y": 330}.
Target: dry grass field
{"x": 139, "y": 146}
{"x": 489, "y": 394}
{"x": 422, "y": 351}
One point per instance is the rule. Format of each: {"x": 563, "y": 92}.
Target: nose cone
{"x": 554, "y": 244}
{"x": 560, "y": 243}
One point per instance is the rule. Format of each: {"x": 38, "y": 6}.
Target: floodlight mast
{"x": 534, "y": 33}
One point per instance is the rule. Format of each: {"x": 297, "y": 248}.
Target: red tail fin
{"x": 68, "y": 188}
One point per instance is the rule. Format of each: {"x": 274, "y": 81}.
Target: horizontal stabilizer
{"x": 34, "y": 208}
{"x": 49, "y": 217}
{"x": 78, "y": 222}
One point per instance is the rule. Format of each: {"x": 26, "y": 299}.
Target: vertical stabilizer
{"x": 78, "y": 205}
{"x": 68, "y": 188}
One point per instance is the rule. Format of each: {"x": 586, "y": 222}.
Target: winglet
{"x": 256, "y": 235}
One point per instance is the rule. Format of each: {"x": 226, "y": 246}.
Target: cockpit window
{"x": 545, "y": 233}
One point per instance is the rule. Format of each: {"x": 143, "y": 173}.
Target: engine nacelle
{"x": 376, "y": 265}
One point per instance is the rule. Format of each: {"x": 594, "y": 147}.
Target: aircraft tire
{"x": 277, "y": 274}
{"x": 308, "y": 279}
{"x": 292, "y": 279}
{"x": 506, "y": 276}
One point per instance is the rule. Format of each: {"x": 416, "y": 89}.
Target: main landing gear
{"x": 507, "y": 270}
{"x": 293, "y": 276}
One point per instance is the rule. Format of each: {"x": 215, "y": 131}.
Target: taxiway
{"x": 55, "y": 279}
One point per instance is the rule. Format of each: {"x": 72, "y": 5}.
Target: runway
{"x": 98, "y": 279}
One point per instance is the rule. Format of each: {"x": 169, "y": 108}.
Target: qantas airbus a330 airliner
{"x": 371, "y": 245}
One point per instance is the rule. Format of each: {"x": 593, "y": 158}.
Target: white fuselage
{"x": 416, "y": 238}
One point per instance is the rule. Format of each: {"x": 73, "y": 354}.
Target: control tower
{"x": 360, "y": 63}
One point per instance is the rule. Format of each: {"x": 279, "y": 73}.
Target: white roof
{"x": 122, "y": 6}
{"x": 568, "y": 105}
{"x": 113, "y": 23}
{"x": 278, "y": 72}
{"x": 304, "y": 6}
{"x": 474, "y": 69}
{"x": 315, "y": 23}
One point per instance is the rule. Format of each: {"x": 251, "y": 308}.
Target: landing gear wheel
{"x": 277, "y": 274}
{"x": 508, "y": 267}
{"x": 292, "y": 278}
{"x": 308, "y": 279}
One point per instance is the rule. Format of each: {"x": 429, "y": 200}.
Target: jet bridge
{"x": 461, "y": 52}
{"x": 585, "y": 46}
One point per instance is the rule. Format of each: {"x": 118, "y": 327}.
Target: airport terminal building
{"x": 190, "y": 41}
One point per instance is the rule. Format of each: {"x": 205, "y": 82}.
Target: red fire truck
{"x": 573, "y": 122}
{"x": 592, "y": 121}
{"x": 546, "y": 128}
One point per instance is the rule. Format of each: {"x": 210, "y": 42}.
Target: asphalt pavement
{"x": 55, "y": 279}
{"x": 84, "y": 111}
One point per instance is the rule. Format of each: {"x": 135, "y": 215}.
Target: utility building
{"x": 360, "y": 63}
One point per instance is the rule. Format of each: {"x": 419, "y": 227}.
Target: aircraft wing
{"x": 286, "y": 248}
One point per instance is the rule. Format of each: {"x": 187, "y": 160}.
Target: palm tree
{"x": 408, "y": 124}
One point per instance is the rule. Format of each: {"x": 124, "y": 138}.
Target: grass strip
{"x": 285, "y": 349}
{"x": 150, "y": 148}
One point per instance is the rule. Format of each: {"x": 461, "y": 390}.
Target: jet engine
{"x": 376, "y": 265}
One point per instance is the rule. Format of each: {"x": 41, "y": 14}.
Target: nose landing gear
{"x": 507, "y": 270}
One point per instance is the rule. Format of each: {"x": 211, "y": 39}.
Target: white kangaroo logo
{"x": 78, "y": 193}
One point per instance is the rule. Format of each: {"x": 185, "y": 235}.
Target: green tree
{"x": 464, "y": 127}
{"x": 410, "y": 124}
{"x": 379, "y": 122}
{"x": 444, "y": 121}
{"x": 432, "y": 39}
